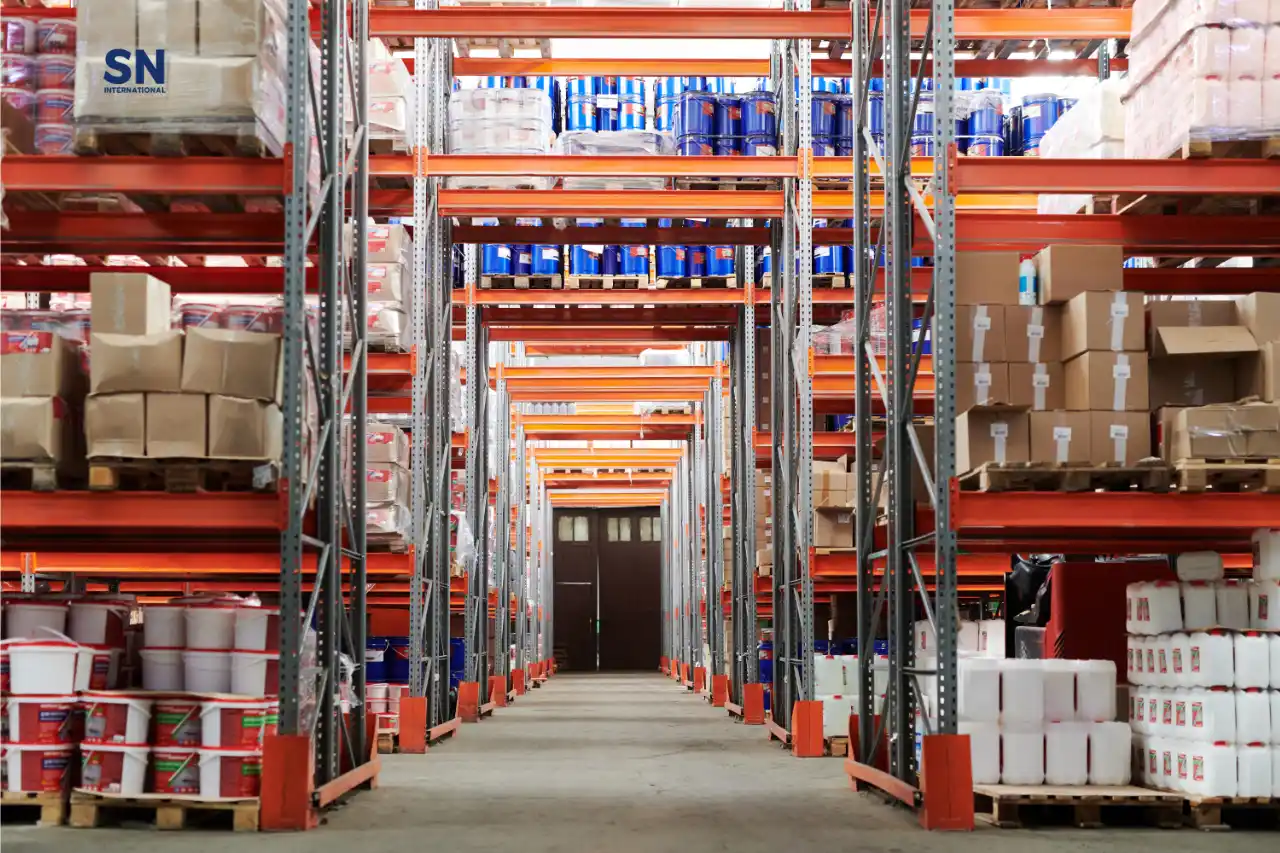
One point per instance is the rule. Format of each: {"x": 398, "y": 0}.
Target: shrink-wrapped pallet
{"x": 1092, "y": 129}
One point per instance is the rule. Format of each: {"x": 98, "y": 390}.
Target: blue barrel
{"x": 631, "y": 103}
{"x": 844, "y": 147}
{"x": 673, "y": 262}
{"x": 921, "y": 339}
{"x": 726, "y": 146}
{"x": 605, "y": 85}
{"x": 719, "y": 86}
{"x": 667, "y": 87}
{"x": 766, "y": 662}
{"x": 398, "y": 660}
{"x": 720, "y": 260}
{"x": 581, "y": 113}
{"x": 764, "y": 262}
{"x": 515, "y": 82}
{"x": 580, "y": 86}
{"x": 728, "y": 120}
{"x": 695, "y": 114}
{"x": 457, "y": 660}
{"x": 375, "y": 659}
{"x": 880, "y": 647}
{"x": 921, "y": 146}
{"x": 606, "y": 102}
{"x": 988, "y": 121}
{"x": 875, "y": 114}
{"x": 1039, "y": 112}
{"x": 521, "y": 259}
{"x": 494, "y": 83}
{"x": 495, "y": 259}
{"x": 759, "y": 114}
{"x": 760, "y": 145}
{"x": 546, "y": 260}
{"x": 697, "y": 260}
{"x": 634, "y": 260}
{"x": 826, "y": 259}
{"x": 923, "y": 123}
{"x": 823, "y": 111}
{"x": 846, "y": 118}
{"x": 693, "y": 84}
{"x": 986, "y": 146}
{"x": 664, "y": 113}
{"x": 585, "y": 260}
{"x": 611, "y": 260}
{"x": 824, "y": 146}
{"x": 696, "y": 146}
{"x": 826, "y": 85}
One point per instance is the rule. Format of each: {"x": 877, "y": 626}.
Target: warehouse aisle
{"x": 617, "y": 764}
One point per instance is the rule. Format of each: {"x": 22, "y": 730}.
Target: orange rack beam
{"x": 476, "y": 66}
{"x": 1160, "y": 177}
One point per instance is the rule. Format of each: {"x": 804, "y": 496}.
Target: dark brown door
{"x": 575, "y": 588}
{"x": 629, "y": 547}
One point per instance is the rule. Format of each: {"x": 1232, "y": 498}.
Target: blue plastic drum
{"x": 824, "y": 146}
{"x": 875, "y": 113}
{"x": 397, "y": 659}
{"x": 1039, "y": 112}
{"x": 693, "y": 84}
{"x": 515, "y": 83}
{"x": 719, "y": 260}
{"x": 726, "y": 146}
{"x": 546, "y": 260}
{"x": 719, "y": 86}
{"x": 611, "y": 260}
{"x": 695, "y": 114}
{"x": 673, "y": 261}
{"x": 921, "y": 146}
{"x": 606, "y": 103}
{"x": 1013, "y": 131}
{"x": 634, "y": 259}
{"x": 844, "y": 147}
{"x": 521, "y": 259}
{"x": 923, "y": 123}
{"x": 664, "y": 113}
{"x": 823, "y": 110}
{"x": 846, "y": 118}
{"x": 988, "y": 121}
{"x": 581, "y": 113}
{"x": 764, "y": 262}
{"x": 375, "y": 659}
{"x": 668, "y": 87}
{"x": 696, "y": 146}
{"x": 986, "y": 146}
{"x": 728, "y": 116}
{"x": 697, "y": 260}
{"x": 457, "y": 660}
{"x": 759, "y": 114}
{"x": 631, "y": 104}
{"x": 585, "y": 260}
{"x": 760, "y": 145}
{"x": 495, "y": 259}
{"x": 580, "y": 86}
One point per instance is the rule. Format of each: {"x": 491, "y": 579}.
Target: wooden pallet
{"x": 1228, "y": 475}
{"x": 521, "y": 282}
{"x": 183, "y": 475}
{"x": 1267, "y": 148}
{"x": 607, "y": 282}
{"x": 237, "y": 141}
{"x": 39, "y": 476}
{"x": 728, "y": 184}
{"x": 90, "y": 810}
{"x": 829, "y": 280}
{"x": 1221, "y": 813}
{"x": 1068, "y": 477}
{"x": 1086, "y": 806}
{"x": 506, "y": 47}
{"x": 837, "y": 746}
{"x": 42, "y": 808}
{"x": 386, "y": 543}
{"x": 694, "y": 283}
{"x": 669, "y": 410}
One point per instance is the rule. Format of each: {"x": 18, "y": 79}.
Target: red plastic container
{"x": 177, "y": 722}
{"x": 55, "y": 71}
{"x": 56, "y": 35}
{"x": 42, "y": 767}
{"x": 55, "y": 106}
{"x": 175, "y": 771}
{"x": 202, "y": 315}
{"x": 252, "y": 318}
{"x": 18, "y": 72}
{"x": 54, "y": 137}
{"x": 44, "y": 719}
{"x": 19, "y": 35}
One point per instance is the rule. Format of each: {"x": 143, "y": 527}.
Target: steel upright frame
{"x": 431, "y": 329}
{"x": 309, "y": 695}
{"x": 476, "y": 392}
{"x": 904, "y": 202}
{"x": 713, "y": 519}
{"x": 790, "y": 325}
{"x": 745, "y": 664}
{"x": 502, "y": 554}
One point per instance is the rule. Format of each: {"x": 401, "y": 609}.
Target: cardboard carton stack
{"x": 387, "y": 466}
{"x": 764, "y": 523}
{"x": 388, "y": 257}
{"x": 161, "y": 394}
{"x": 832, "y": 500}
{"x": 43, "y": 387}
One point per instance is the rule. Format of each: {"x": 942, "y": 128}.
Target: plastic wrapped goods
{"x": 1092, "y": 129}
{"x": 614, "y": 143}
{"x": 499, "y": 121}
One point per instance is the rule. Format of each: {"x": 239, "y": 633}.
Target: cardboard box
{"x": 1037, "y": 386}
{"x": 1033, "y": 333}
{"x": 177, "y": 426}
{"x": 129, "y": 303}
{"x": 388, "y": 283}
{"x": 1119, "y": 437}
{"x": 764, "y": 557}
{"x": 981, "y": 384}
{"x": 216, "y": 86}
{"x": 987, "y": 278}
{"x": 833, "y": 528}
{"x": 1164, "y": 421}
{"x": 386, "y": 483}
{"x": 1107, "y": 381}
{"x": 1259, "y": 375}
{"x": 232, "y": 363}
{"x": 244, "y": 429}
{"x": 135, "y": 363}
{"x": 386, "y": 443}
{"x": 1226, "y": 431}
{"x": 1197, "y": 365}
{"x": 992, "y": 434}
{"x": 115, "y": 425}
{"x": 1202, "y": 341}
{"x": 39, "y": 364}
{"x": 34, "y": 429}
{"x": 231, "y": 27}
{"x": 1260, "y": 313}
{"x": 387, "y": 244}
{"x": 831, "y": 484}
{"x": 110, "y": 23}
{"x": 1187, "y": 381}
{"x": 1063, "y": 271}
{"x": 1103, "y": 321}
{"x": 980, "y": 333}
{"x": 1189, "y": 312}
{"x": 100, "y": 102}
{"x": 1059, "y": 436}
{"x": 168, "y": 24}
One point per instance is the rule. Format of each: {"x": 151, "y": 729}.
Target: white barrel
{"x": 1022, "y": 694}
{"x": 978, "y": 690}
{"x": 1066, "y": 753}
{"x": 991, "y": 638}
{"x": 1198, "y": 566}
{"x": 1022, "y": 757}
{"x": 1213, "y": 770}
{"x": 1253, "y": 716}
{"x": 835, "y": 715}
{"x": 1181, "y": 712}
{"x": 1212, "y": 659}
{"x": 1059, "y": 692}
{"x": 967, "y": 640}
{"x": 1253, "y": 769}
{"x": 1141, "y": 606}
{"x": 828, "y": 675}
{"x": 1233, "y": 605}
{"x": 1213, "y": 716}
{"x": 1199, "y": 606}
{"x": 1164, "y": 607}
{"x": 1110, "y": 747}
{"x": 1180, "y": 659}
{"x": 1096, "y": 690}
{"x": 984, "y": 750}
{"x": 1131, "y": 608}
{"x": 1264, "y": 605}
{"x": 1253, "y": 660}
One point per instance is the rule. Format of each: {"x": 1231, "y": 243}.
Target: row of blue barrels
{"x": 605, "y": 103}
{"x": 386, "y": 659}
{"x": 550, "y": 85}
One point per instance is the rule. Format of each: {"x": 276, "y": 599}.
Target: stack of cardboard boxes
{"x": 832, "y": 499}
{"x": 764, "y": 522}
{"x": 388, "y": 255}
{"x": 43, "y": 387}
{"x": 1076, "y": 378}
{"x": 387, "y": 466}
{"x": 159, "y": 393}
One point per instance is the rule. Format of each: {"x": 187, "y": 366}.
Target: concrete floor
{"x": 619, "y": 763}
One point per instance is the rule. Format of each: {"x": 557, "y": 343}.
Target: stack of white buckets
{"x": 1204, "y": 669}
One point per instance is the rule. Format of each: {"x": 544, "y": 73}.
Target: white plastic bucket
{"x": 248, "y": 723}
{"x": 43, "y": 719}
{"x": 38, "y": 767}
{"x": 101, "y": 771}
{"x": 377, "y": 706}
{"x": 257, "y": 629}
{"x": 211, "y": 626}
{"x": 245, "y": 780}
{"x": 47, "y": 667}
{"x": 395, "y": 692}
{"x": 98, "y": 623}
{"x": 118, "y": 718}
{"x": 35, "y": 619}
{"x": 162, "y": 669}
{"x": 255, "y": 673}
{"x": 206, "y": 670}
{"x": 164, "y": 626}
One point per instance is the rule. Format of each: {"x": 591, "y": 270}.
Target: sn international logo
{"x": 128, "y": 71}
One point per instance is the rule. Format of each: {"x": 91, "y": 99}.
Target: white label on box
{"x": 1040, "y": 380}
{"x": 982, "y": 321}
{"x": 982, "y": 383}
{"x": 1121, "y": 371}
{"x": 1062, "y": 442}
{"x": 551, "y": 254}
{"x": 1119, "y": 311}
{"x": 1000, "y": 432}
{"x": 1062, "y": 433}
{"x": 1119, "y": 431}
{"x": 1120, "y": 439}
{"x": 999, "y": 429}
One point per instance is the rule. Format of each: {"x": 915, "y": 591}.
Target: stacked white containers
{"x": 1205, "y": 694}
